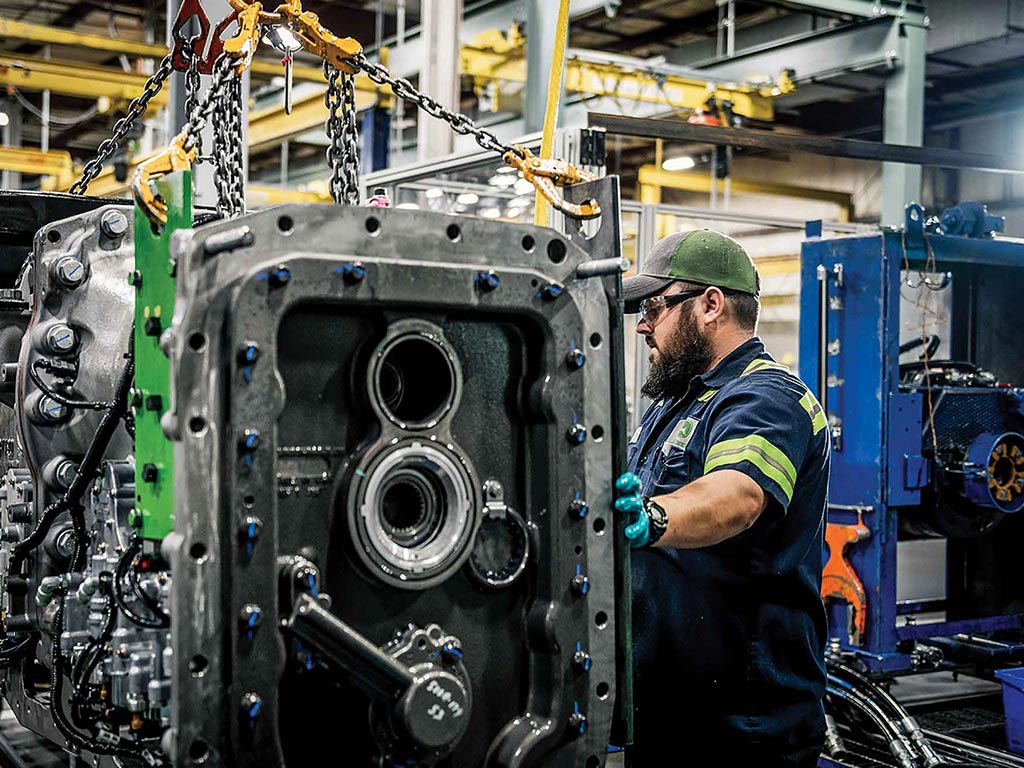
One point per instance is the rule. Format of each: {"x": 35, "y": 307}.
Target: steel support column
{"x": 439, "y": 73}
{"x": 205, "y": 192}
{"x": 903, "y": 123}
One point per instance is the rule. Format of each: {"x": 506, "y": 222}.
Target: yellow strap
{"x": 541, "y": 209}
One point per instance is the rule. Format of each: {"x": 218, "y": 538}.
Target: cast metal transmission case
{"x": 394, "y": 438}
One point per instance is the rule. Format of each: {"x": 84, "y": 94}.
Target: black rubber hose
{"x": 120, "y": 572}
{"x": 897, "y": 743}
{"x": 90, "y": 463}
{"x": 91, "y": 405}
{"x": 76, "y": 739}
{"x": 904, "y": 721}
{"x": 886, "y": 726}
{"x": 95, "y": 648}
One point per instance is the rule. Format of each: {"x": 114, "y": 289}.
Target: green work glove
{"x": 630, "y": 501}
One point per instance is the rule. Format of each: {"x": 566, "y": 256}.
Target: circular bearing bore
{"x": 415, "y": 515}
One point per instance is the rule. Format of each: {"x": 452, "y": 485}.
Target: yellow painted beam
{"x": 258, "y": 195}
{"x": 609, "y": 80}
{"x": 35, "y": 161}
{"x": 778, "y": 265}
{"x": 39, "y": 33}
{"x": 272, "y": 126}
{"x": 652, "y": 175}
{"x": 72, "y": 78}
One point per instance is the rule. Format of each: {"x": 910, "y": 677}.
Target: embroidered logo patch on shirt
{"x": 636, "y": 434}
{"x": 681, "y": 436}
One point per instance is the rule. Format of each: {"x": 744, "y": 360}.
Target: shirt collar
{"x": 733, "y": 364}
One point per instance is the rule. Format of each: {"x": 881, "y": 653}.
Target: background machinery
{"x": 928, "y": 456}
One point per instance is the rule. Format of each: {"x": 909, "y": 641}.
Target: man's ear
{"x": 714, "y": 304}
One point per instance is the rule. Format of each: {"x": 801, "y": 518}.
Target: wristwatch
{"x": 658, "y": 518}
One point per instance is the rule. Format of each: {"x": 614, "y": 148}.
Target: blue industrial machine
{"x": 926, "y": 447}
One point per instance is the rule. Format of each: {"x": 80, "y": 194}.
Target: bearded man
{"x": 726, "y": 493}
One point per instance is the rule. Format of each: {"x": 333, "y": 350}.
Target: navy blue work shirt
{"x": 729, "y": 639}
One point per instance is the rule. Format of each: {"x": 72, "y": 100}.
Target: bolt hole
{"x": 602, "y": 690}
{"x": 373, "y": 225}
{"x": 599, "y": 525}
{"x": 285, "y": 224}
{"x": 198, "y": 551}
{"x": 592, "y": 762}
{"x": 601, "y": 619}
{"x": 249, "y": 501}
{"x": 422, "y": 644}
{"x": 196, "y": 424}
{"x": 454, "y": 233}
{"x": 556, "y": 251}
{"x": 198, "y": 751}
{"x": 595, "y": 340}
{"x": 53, "y": 236}
{"x": 578, "y": 550}
{"x": 197, "y": 665}
{"x": 197, "y": 342}
{"x": 529, "y": 243}
{"x": 534, "y": 283}
{"x": 597, "y": 432}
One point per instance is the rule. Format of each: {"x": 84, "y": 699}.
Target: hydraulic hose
{"x": 903, "y": 720}
{"x": 897, "y": 743}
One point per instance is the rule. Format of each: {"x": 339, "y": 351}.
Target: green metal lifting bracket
{"x": 153, "y": 278}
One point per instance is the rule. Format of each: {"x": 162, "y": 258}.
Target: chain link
{"x": 459, "y": 122}
{"x": 342, "y": 135}
{"x": 192, "y": 81}
{"x": 227, "y": 141}
{"x": 123, "y": 127}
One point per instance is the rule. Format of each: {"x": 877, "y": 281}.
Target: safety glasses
{"x": 651, "y": 309}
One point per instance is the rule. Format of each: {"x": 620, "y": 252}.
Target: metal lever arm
{"x": 430, "y": 704}
{"x": 379, "y": 673}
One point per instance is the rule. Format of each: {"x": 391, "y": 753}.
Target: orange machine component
{"x": 839, "y": 580}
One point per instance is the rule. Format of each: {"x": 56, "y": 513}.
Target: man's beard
{"x": 685, "y": 355}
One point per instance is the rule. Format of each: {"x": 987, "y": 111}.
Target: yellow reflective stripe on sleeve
{"x": 705, "y": 396}
{"x": 813, "y": 408}
{"x": 759, "y": 452}
{"x": 764, "y": 365}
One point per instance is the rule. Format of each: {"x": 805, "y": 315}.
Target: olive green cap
{"x": 700, "y": 256}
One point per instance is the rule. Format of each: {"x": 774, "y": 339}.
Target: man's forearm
{"x": 711, "y": 509}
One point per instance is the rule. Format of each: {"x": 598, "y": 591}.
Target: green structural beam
{"x": 154, "y": 305}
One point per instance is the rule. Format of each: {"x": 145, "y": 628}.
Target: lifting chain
{"x": 192, "y": 80}
{"x": 227, "y": 148}
{"x": 544, "y": 174}
{"x": 460, "y": 123}
{"x": 123, "y": 127}
{"x": 342, "y": 135}
{"x": 184, "y": 148}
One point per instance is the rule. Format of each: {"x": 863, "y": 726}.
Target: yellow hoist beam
{"x": 269, "y": 127}
{"x": 652, "y": 178}
{"x": 495, "y": 55}
{"x": 72, "y": 78}
{"x": 34, "y": 161}
{"x": 39, "y": 33}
